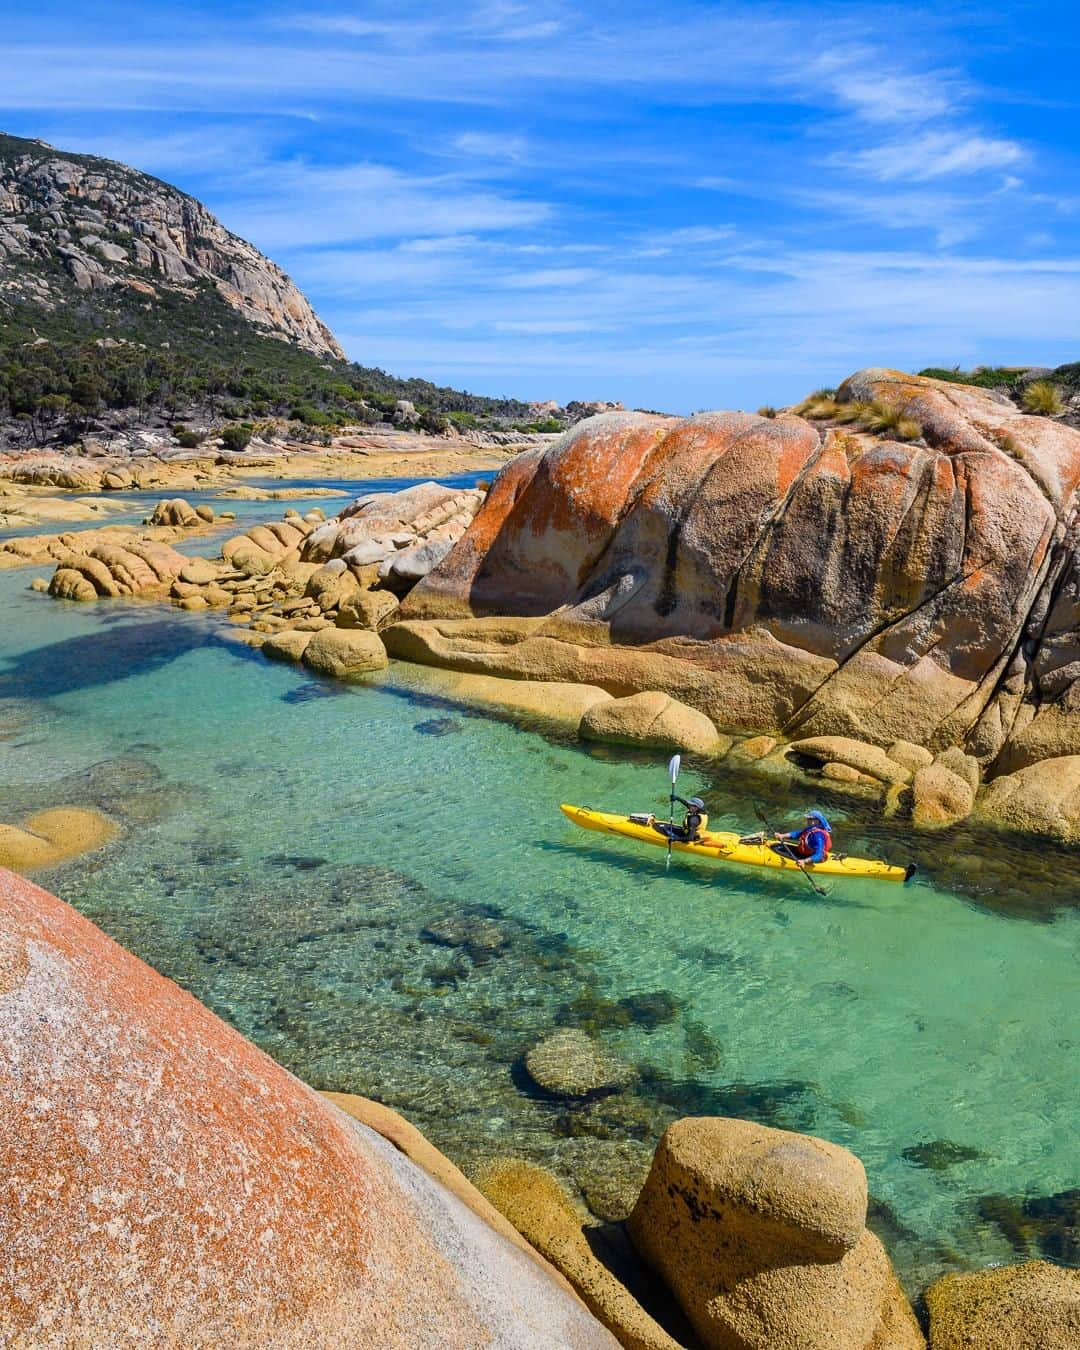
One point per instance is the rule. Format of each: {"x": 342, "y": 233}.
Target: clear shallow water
{"x": 383, "y": 894}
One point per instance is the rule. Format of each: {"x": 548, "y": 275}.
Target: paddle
{"x": 787, "y": 850}
{"x": 674, "y": 764}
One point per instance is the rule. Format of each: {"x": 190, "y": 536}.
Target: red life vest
{"x": 802, "y": 844}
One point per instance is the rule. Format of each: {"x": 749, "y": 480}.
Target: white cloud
{"x": 296, "y": 204}
{"x": 490, "y": 145}
{"x": 934, "y": 154}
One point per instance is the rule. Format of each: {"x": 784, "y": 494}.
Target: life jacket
{"x": 803, "y": 846}
{"x": 695, "y": 824}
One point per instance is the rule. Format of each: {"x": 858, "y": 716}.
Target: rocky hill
{"x": 75, "y": 228}
{"x": 125, "y": 305}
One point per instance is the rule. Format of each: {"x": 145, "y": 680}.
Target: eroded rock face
{"x": 788, "y": 575}
{"x": 164, "y": 1173}
{"x": 106, "y": 225}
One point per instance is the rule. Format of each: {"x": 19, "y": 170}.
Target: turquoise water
{"x": 382, "y": 892}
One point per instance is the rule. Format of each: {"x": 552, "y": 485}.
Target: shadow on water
{"x": 1004, "y": 874}
{"x": 99, "y": 658}
{"x": 759, "y": 883}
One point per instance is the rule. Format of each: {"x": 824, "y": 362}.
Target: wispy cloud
{"x": 702, "y": 204}
{"x": 934, "y": 154}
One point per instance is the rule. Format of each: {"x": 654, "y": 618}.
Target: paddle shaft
{"x": 674, "y": 764}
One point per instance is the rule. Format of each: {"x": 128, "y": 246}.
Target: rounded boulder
{"x": 345, "y": 651}
{"x": 654, "y": 720}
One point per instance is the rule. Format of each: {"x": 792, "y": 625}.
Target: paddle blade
{"x": 673, "y": 768}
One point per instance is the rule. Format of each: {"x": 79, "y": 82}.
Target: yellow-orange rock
{"x": 1032, "y": 1306}
{"x": 171, "y": 1185}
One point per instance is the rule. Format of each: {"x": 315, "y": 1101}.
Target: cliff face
{"x": 791, "y": 574}
{"x": 74, "y": 227}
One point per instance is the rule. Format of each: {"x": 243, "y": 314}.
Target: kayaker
{"x": 811, "y": 844}
{"x": 692, "y": 827}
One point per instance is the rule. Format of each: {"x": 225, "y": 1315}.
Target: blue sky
{"x": 680, "y": 206}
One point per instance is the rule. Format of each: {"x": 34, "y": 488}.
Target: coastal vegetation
{"x": 60, "y": 372}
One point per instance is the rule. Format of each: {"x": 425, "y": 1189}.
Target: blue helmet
{"x": 819, "y": 820}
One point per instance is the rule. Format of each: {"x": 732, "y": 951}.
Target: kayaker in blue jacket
{"x": 811, "y": 844}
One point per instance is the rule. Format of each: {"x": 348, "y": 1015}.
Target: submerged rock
{"x": 571, "y": 1064}
{"x": 1049, "y": 1224}
{"x": 940, "y": 1154}
{"x": 53, "y": 836}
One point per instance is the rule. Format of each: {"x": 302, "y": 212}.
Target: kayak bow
{"x": 725, "y": 846}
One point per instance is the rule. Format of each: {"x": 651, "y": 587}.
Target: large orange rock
{"x": 165, "y": 1183}
{"x": 783, "y": 574}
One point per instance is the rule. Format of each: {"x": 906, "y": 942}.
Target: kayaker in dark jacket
{"x": 811, "y": 844}
{"x": 695, "y": 820}
{"x": 692, "y": 828}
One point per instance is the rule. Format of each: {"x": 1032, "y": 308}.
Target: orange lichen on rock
{"x": 166, "y": 1183}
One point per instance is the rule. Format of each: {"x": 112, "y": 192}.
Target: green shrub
{"x": 189, "y": 439}
{"x": 236, "y": 437}
{"x": 767, "y": 410}
{"x": 1043, "y": 398}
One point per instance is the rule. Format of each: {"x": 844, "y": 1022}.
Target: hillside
{"x": 125, "y": 302}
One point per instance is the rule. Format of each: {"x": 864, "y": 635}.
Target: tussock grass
{"x": 766, "y": 410}
{"x": 875, "y": 417}
{"x": 1044, "y": 399}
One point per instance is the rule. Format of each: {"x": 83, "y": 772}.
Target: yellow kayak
{"x": 724, "y": 846}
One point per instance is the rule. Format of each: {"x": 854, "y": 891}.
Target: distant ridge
{"x": 89, "y": 231}
{"x": 125, "y": 304}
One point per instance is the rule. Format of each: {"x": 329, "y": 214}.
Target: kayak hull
{"x": 724, "y": 846}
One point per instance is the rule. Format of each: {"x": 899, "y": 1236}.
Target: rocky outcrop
{"x": 76, "y": 223}
{"x": 1034, "y": 1306}
{"x": 177, "y": 1186}
{"x": 90, "y": 568}
{"x": 404, "y": 534}
{"x": 761, "y": 1236}
{"x": 790, "y": 574}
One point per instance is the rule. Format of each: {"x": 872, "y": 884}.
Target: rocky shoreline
{"x": 298, "y": 1218}
{"x": 937, "y": 702}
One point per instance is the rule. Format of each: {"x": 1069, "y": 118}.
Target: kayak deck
{"x": 724, "y": 846}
